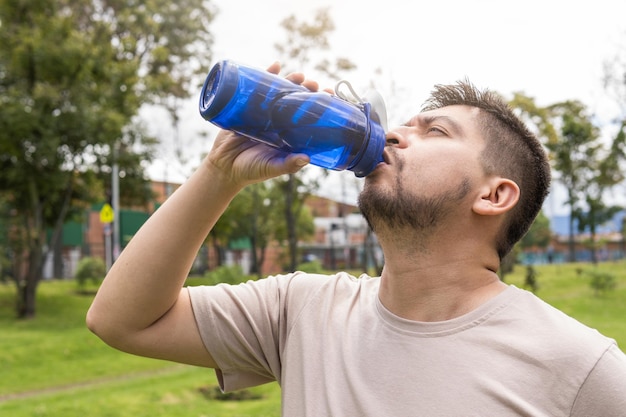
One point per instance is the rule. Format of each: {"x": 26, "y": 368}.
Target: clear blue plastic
{"x": 335, "y": 133}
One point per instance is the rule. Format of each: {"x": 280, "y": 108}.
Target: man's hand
{"x": 242, "y": 161}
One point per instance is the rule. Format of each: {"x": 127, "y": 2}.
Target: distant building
{"x": 341, "y": 238}
{"x": 609, "y": 242}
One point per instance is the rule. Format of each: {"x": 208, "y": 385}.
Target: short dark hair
{"x": 511, "y": 150}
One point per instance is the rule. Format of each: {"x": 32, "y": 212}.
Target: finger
{"x": 296, "y": 77}
{"x": 299, "y": 78}
{"x": 274, "y": 68}
{"x": 311, "y": 85}
{"x": 295, "y": 162}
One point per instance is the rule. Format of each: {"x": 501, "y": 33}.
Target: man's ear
{"x": 497, "y": 196}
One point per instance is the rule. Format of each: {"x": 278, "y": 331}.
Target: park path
{"x": 89, "y": 384}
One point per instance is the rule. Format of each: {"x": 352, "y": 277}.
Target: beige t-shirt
{"x": 336, "y": 351}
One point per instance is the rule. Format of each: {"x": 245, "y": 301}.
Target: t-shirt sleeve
{"x": 604, "y": 391}
{"x": 244, "y": 326}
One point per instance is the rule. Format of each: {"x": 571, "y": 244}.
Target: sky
{"x": 552, "y": 50}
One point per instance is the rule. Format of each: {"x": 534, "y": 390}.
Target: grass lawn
{"x": 53, "y": 366}
{"x": 173, "y": 392}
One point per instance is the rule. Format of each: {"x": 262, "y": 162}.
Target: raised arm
{"x": 142, "y": 307}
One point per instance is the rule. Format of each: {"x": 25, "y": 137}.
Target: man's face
{"x": 431, "y": 166}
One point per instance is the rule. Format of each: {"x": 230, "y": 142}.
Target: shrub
{"x": 601, "y": 282}
{"x": 90, "y": 269}
{"x": 228, "y": 274}
{"x": 530, "y": 280}
{"x": 215, "y": 393}
{"x": 311, "y": 267}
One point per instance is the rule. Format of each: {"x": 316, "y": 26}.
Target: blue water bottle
{"x": 335, "y": 133}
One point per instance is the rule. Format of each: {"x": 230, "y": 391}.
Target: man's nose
{"x": 397, "y": 137}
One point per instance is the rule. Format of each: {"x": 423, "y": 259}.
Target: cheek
{"x": 435, "y": 173}
{"x": 444, "y": 161}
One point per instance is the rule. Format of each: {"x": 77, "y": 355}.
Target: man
{"x": 438, "y": 334}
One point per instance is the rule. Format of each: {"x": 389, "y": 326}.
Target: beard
{"x": 400, "y": 209}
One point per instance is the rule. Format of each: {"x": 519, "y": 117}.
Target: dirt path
{"x": 88, "y": 384}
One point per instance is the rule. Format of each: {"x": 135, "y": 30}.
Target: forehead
{"x": 460, "y": 116}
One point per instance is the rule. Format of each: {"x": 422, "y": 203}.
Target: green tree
{"x": 623, "y": 232}
{"x": 606, "y": 173}
{"x": 301, "y": 41}
{"x": 577, "y": 156}
{"x": 594, "y": 214}
{"x": 615, "y": 86}
{"x": 537, "y": 117}
{"x": 302, "y": 217}
{"x": 73, "y": 74}
{"x": 587, "y": 168}
{"x": 539, "y": 235}
{"x": 256, "y": 216}
{"x": 251, "y": 217}
{"x": 574, "y": 153}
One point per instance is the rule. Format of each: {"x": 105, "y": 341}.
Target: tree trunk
{"x": 594, "y": 254}
{"x": 35, "y": 228}
{"x": 292, "y": 235}
{"x": 255, "y": 267}
{"x": 35, "y": 239}
{"x": 57, "y": 257}
{"x": 57, "y": 235}
{"x": 571, "y": 244}
{"x": 261, "y": 260}
{"x": 365, "y": 260}
{"x": 27, "y": 287}
{"x": 370, "y": 253}
{"x": 254, "y": 261}
{"x": 219, "y": 251}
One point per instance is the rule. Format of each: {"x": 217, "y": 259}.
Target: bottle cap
{"x": 379, "y": 109}
{"x": 373, "y": 146}
{"x": 219, "y": 88}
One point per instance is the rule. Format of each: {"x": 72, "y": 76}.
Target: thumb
{"x": 295, "y": 162}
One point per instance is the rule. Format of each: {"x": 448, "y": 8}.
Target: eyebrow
{"x": 430, "y": 119}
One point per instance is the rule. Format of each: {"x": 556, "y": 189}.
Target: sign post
{"x": 106, "y": 218}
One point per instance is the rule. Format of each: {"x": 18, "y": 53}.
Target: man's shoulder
{"x": 550, "y": 323}
{"x": 339, "y": 282}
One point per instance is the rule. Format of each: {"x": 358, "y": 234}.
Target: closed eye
{"x": 437, "y": 130}
{"x": 439, "y": 125}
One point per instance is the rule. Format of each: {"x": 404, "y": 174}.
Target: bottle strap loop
{"x": 355, "y": 99}
{"x": 373, "y": 97}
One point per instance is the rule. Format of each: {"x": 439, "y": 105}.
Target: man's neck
{"x": 439, "y": 282}
{"x": 421, "y": 298}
